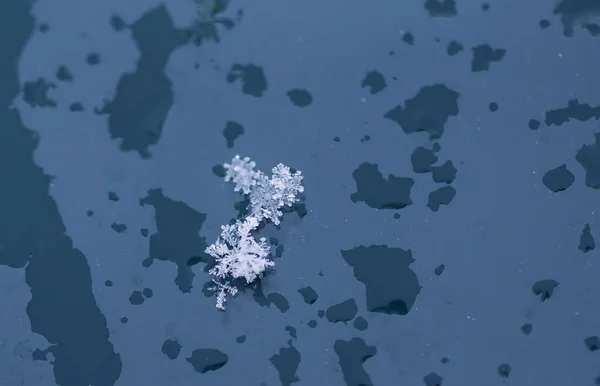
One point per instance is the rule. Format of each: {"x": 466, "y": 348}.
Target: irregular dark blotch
{"x": 300, "y": 97}
{"x": 253, "y": 78}
{"x": 558, "y": 179}
{"x": 93, "y": 59}
{"x": 312, "y": 323}
{"x": 144, "y": 232}
{"x": 278, "y": 251}
{"x": 441, "y": 196}
{"x": 454, "y": 48}
{"x": 35, "y": 93}
{"x": 147, "y": 262}
{"x": 441, "y": 8}
{"x": 408, "y": 38}
{"x": 534, "y": 124}
{"x": 208, "y": 18}
{"x": 428, "y": 111}
{"x": 207, "y": 359}
{"x": 171, "y": 348}
{"x": 396, "y": 216}
{"x": 112, "y": 196}
{"x": 231, "y": 132}
{"x": 445, "y": 360}
{"x": 219, "y": 170}
{"x": 136, "y": 298}
{"x": 292, "y": 331}
{"x": 352, "y": 355}
{"x": 422, "y": 159}
{"x": 579, "y": 111}
{"x": 504, "y": 370}
{"x": 143, "y": 98}
{"x": 321, "y": 313}
{"x": 544, "y": 288}
{"x": 124, "y": 319}
{"x": 240, "y": 339}
{"x": 527, "y": 328}
{"x": 588, "y": 157}
{"x": 485, "y": 7}
{"x": 432, "y": 379}
{"x": 279, "y": 300}
{"x": 90, "y": 213}
{"x": 391, "y": 286}
{"x": 177, "y": 237}
{"x": 592, "y": 343}
{"x": 576, "y": 12}
{"x": 76, "y": 107}
{"x": 367, "y": 137}
{"x": 286, "y": 363}
{"x": 119, "y": 228}
{"x": 544, "y": 23}
{"x": 597, "y": 381}
{"x": 64, "y": 74}
{"x": 62, "y": 307}
{"x": 342, "y": 312}
{"x": 493, "y": 106}
{"x": 309, "y": 295}
{"x": 336, "y": 139}
{"x": 439, "y": 269}
{"x": 586, "y": 240}
{"x": 592, "y": 28}
{"x": 117, "y": 23}
{"x": 108, "y": 283}
{"x": 375, "y": 81}
{"x": 380, "y": 193}
{"x": 445, "y": 173}
{"x": 360, "y": 323}
{"x": 43, "y": 28}
{"x": 484, "y": 55}
{"x": 148, "y": 293}
{"x": 40, "y": 355}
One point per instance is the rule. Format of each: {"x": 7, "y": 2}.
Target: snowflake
{"x": 238, "y": 255}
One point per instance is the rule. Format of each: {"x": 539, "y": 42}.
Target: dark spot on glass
{"x": 148, "y": 293}
{"x": 231, "y": 132}
{"x": 119, "y": 228}
{"x": 43, "y": 28}
{"x": 124, "y": 319}
{"x": 408, "y": 38}
{"x": 240, "y": 339}
{"x": 485, "y": 6}
{"x": 391, "y": 286}
{"x": 527, "y": 328}
{"x": 342, "y": 312}
{"x": 219, "y": 171}
{"x": 504, "y": 370}
{"x": 441, "y": 8}
{"x": 117, "y": 23}
{"x": 484, "y": 56}
{"x": 493, "y": 106}
{"x": 171, "y": 348}
{"x": 440, "y": 196}
{"x": 374, "y": 81}
{"x": 534, "y": 124}
{"x": 586, "y": 240}
{"x": 588, "y": 157}
{"x": 76, "y": 107}
{"x": 112, "y": 196}
{"x": 279, "y": 301}
{"x": 352, "y": 355}
{"x": 90, "y": 213}
{"x": 544, "y": 288}
{"x": 35, "y": 93}
{"x": 454, "y": 48}
{"x": 439, "y": 269}
{"x": 592, "y": 343}
{"x": 432, "y": 379}
{"x": 581, "y": 112}
{"x": 144, "y": 232}
{"x": 254, "y": 82}
{"x": 147, "y": 262}
{"x": 300, "y": 97}
{"x": 312, "y": 323}
{"x": 286, "y": 363}
{"x": 93, "y": 59}
{"x": 396, "y": 216}
{"x": 64, "y": 74}
{"x": 428, "y": 111}
{"x": 377, "y": 192}
{"x": 544, "y": 23}
{"x": 445, "y": 360}
{"x": 207, "y": 359}
{"x": 336, "y": 139}
{"x": 108, "y": 283}
{"x": 321, "y": 313}
{"x": 558, "y": 179}
{"x": 136, "y": 298}
{"x": 309, "y": 295}
{"x": 360, "y": 323}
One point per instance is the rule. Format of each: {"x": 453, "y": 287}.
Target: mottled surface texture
{"x": 447, "y": 232}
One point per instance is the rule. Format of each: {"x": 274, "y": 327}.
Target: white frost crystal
{"x": 237, "y": 253}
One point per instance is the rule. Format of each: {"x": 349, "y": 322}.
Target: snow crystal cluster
{"x": 238, "y": 255}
